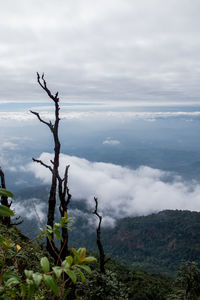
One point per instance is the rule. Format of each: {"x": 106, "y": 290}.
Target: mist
{"x": 122, "y": 191}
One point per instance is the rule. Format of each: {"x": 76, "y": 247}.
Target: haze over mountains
{"x": 137, "y": 160}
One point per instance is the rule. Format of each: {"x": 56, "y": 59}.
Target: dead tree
{"x": 4, "y": 199}
{"x": 58, "y": 184}
{"x": 99, "y": 244}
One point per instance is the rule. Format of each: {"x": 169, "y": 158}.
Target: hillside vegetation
{"x": 119, "y": 283}
{"x": 156, "y": 243}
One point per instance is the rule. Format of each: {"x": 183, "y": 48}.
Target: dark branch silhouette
{"x": 17, "y": 223}
{"x": 43, "y": 164}
{"x": 49, "y": 124}
{"x": 99, "y": 244}
{"x": 57, "y": 182}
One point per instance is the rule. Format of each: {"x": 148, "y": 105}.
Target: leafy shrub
{"x": 46, "y": 281}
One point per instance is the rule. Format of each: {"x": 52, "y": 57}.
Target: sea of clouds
{"x": 122, "y": 192}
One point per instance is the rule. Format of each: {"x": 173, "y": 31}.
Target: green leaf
{"x": 71, "y": 275}
{"x": 11, "y": 282}
{"x": 23, "y": 291}
{"x": 57, "y": 225}
{"x": 5, "y": 211}
{"x": 28, "y": 273}
{"x": 49, "y": 227}
{"x": 4, "y": 192}
{"x": 89, "y": 259}
{"x": 37, "y": 277}
{"x": 74, "y": 251}
{"x": 69, "y": 260}
{"x": 30, "y": 290}
{"x": 51, "y": 283}
{"x": 44, "y": 262}
{"x": 69, "y": 228}
{"x": 82, "y": 253}
{"x": 57, "y": 234}
{"x": 86, "y": 268}
{"x": 81, "y": 274}
{"x": 65, "y": 264}
{"x": 79, "y": 251}
{"x": 57, "y": 271}
{"x": 76, "y": 255}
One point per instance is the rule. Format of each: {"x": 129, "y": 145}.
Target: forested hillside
{"x": 157, "y": 243}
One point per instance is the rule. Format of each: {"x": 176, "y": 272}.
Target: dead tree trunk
{"x": 64, "y": 196}
{"x": 99, "y": 244}
{"x": 4, "y": 199}
{"x": 57, "y": 183}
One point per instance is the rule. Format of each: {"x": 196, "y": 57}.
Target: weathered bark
{"x": 57, "y": 183}
{"x": 99, "y": 244}
{"x": 64, "y": 196}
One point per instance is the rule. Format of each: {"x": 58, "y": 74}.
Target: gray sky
{"x": 126, "y": 50}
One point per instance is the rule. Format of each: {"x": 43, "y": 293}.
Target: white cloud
{"x": 116, "y": 49}
{"x": 108, "y": 221}
{"x": 8, "y": 145}
{"x": 101, "y": 115}
{"x": 30, "y": 209}
{"x": 109, "y": 141}
{"x": 122, "y": 191}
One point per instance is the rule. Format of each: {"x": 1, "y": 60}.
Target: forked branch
{"x": 56, "y": 180}
{"x": 43, "y": 84}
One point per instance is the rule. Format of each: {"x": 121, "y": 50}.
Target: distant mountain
{"x": 156, "y": 243}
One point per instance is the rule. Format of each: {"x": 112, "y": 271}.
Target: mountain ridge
{"x": 157, "y": 243}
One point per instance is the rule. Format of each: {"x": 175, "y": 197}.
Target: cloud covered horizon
{"x": 122, "y": 192}
{"x": 93, "y": 115}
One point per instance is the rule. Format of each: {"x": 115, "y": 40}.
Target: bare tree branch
{"x": 17, "y": 223}
{"x": 63, "y": 190}
{"x": 49, "y": 124}
{"x": 44, "y": 86}
{"x": 99, "y": 244}
{"x": 43, "y": 164}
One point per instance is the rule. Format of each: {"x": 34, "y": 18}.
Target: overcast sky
{"x": 125, "y": 50}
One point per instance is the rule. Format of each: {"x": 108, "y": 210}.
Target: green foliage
{"x": 188, "y": 278}
{"x": 38, "y": 283}
{"x": 4, "y": 210}
{"x": 54, "y": 279}
{"x": 103, "y": 286}
{"x": 155, "y": 243}
{"x": 49, "y": 231}
{"x": 5, "y": 192}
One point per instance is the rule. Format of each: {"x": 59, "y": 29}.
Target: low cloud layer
{"x": 95, "y": 115}
{"x": 8, "y": 145}
{"x": 121, "y": 191}
{"x": 111, "y": 142}
{"x": 30, "y": 209}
